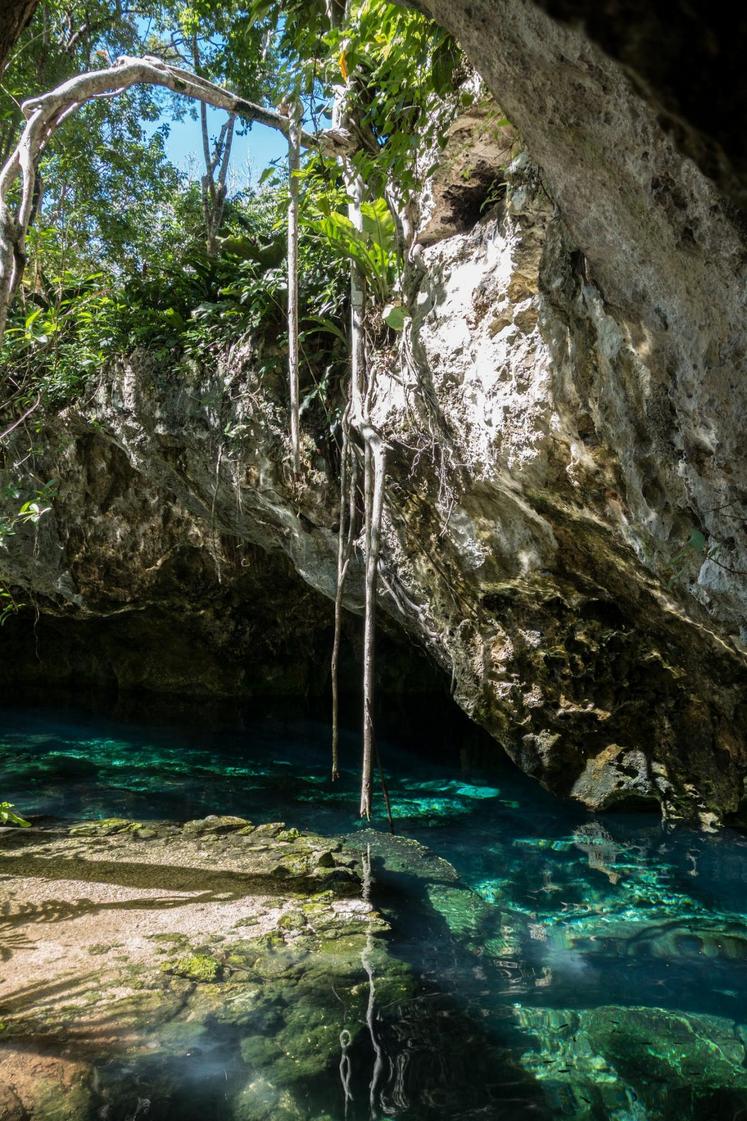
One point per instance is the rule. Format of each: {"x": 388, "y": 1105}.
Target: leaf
{"x": 8, "y": 817}
{"x": 326, "y": 326}
{"x": 378, "y": 223}
{"x": 445, "y": 59}
{"x": 395, "y": 316}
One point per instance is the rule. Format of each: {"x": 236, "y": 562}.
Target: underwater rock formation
{"x": 636, "y": 1062}
{"x": 186, "y": 969}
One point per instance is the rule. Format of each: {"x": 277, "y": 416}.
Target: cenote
{"x": 389, "y": 353}
{"x": 528, "y": 959}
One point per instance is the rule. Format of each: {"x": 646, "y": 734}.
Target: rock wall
{"x": 136, "y": 592}
{"x": 667, "y": 257}
{"x": 567, "y": 595}
{"x": 175, "y": 556}
{"x": 638, "y": 380}
{"x": 564, "y": 529}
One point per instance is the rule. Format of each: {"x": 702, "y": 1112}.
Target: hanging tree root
{"x": 357, "y": 415}
{"x": 384, "y": 789}
{"x": 375, "y": 465}
{"x": 346, "y": 531}
{"x": 360, "y": 393}
{"x": 362, "y": 389}
{"x": 294, "y": 164}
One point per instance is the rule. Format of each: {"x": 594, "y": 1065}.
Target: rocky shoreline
{"x": 222, "y": 970}
{"x": 138, "y": 953}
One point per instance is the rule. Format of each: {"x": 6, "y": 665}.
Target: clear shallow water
{"x": 590, "y": 969}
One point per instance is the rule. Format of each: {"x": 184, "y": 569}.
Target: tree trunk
{"x": 213, "y": 190}
{"x": 14, "y": 16}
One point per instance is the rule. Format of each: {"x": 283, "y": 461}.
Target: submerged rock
{"x": 104, "y": 827}
{"x": 637, "y": 1063}
{"x": 216, "y": 825}
{"x": 149, "y": 964}
{"x": 198, "y": 968}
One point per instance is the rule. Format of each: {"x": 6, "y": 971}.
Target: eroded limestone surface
{"x": 637, "y": 1063}
{"x": 164, "y": 970}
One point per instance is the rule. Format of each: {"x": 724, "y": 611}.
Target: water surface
{"x": 566, "y": 966}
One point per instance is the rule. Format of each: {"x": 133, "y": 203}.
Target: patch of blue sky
{"x": 255, "y": 147}
{"x": 253, "y": 150}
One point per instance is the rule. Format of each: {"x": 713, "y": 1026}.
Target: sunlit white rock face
{"x": 560, "y": 590}
{"x": 666, "y": 260}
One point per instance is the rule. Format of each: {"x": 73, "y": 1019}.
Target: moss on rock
{"x": 105, "y": 827}
{"x": 200, "y": 968}
{"x": 215, "y": 825}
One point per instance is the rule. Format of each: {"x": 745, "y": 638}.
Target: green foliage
{"x": 200, "y": 968}
{"x": 233, "y": 46}
{"x": 373, "y": 248}
{"x": 395, "y": 316}
{"x": 693, "y": 554}
{"x": 28, "y": 513}
{"x": 116, "y": 257}
{"x": 296, "y": 31}
{"x": 9, "y": 605}
{"x": 402, "y": 64}
{"x": 104, "y": 172}
{"x": 55, "y": 341}
{"x": 195, "y": 302}
{"x": 184, "y": 304}
{"x": 8, "y": 817}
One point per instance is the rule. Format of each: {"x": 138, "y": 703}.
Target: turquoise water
{"x": 567, "y": 966}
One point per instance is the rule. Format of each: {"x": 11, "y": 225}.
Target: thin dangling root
{"x": 294, "y": 163}
{"x": 362, "y": 386}
{"x": 344, "y": 552}
{"x": 384, "y": 789}
{"x": 375, "y": 465}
